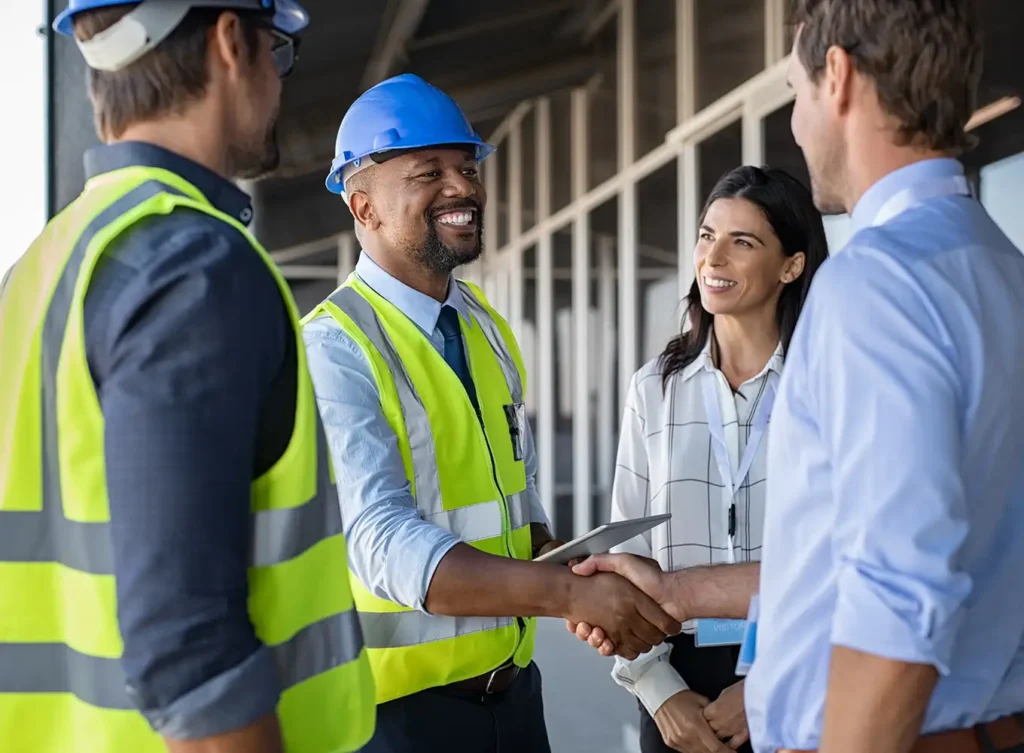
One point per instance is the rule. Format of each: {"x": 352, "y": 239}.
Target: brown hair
{"x": 162, "y": 82}
{"x": 924, "y": 57}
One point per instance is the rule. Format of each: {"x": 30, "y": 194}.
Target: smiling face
{"x": 739, "y": 260}
{"x": 427, "y": 205}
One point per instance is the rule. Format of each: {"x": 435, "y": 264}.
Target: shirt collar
{"x": 419, "y": 307}
{"x": 777, "y": 360}
{"x": 224, "y": 195}
{"x": 704, "y": 361}
{"x": 874, "y": 198}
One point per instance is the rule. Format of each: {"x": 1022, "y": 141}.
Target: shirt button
{"x": 246, "y": 214}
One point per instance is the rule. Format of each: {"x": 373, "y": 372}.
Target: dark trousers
{"x": 444, "y": 720}
{"x": 707, "y": 671}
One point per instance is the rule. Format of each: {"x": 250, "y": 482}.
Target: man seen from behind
{"x": 167, "y": 506}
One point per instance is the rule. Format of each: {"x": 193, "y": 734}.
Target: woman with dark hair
{"x": 693, "y": 441}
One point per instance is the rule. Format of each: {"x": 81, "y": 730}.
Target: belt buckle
{"x": 489, "y": 690}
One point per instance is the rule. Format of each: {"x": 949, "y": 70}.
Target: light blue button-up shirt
{"x": 392, "y": 551}
{"x": 895, "y": 512}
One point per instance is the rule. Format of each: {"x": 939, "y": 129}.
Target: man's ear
{"x": 839, "y": 77}
{"x": 362, "y": 210}
{"x": 227, "y": 44}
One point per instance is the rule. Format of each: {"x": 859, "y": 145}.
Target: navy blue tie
{"x": 454, "y": 351}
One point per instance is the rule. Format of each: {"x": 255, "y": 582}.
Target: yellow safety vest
{"x": 465, "y": 478}
{"x": 62, "y": 688}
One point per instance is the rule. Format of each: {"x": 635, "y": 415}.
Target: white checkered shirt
{"x": 666, "y": 464}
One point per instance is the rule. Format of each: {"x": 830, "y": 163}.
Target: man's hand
{"x": 683, "y": 726}
{"x": 630, "y": 618}
{"x": 592, "y": 635}
{"x": 642, "y": 572}
{"x": 728, "y": 717}
{"x": 547, "y": 547}
{"x": 541, "y": 540}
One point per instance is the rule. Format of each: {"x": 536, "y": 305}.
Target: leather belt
{"x": 490, "y": 683}
{"x": 1002, "y": 734}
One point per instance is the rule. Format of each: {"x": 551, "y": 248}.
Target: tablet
{"x": 602, "y": 539}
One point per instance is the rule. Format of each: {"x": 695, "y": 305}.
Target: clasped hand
{"x": 642, "y": 572}
{"x": 631, "y": 619}
{"x": 689, "y": 723}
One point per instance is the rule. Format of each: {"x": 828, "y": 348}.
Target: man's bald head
{"x": 360, "y": 181}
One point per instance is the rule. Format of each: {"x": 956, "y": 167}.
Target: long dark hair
{"x": 789, "y": 209}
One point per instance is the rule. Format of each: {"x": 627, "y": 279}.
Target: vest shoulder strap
{"x": 500, "y": 337}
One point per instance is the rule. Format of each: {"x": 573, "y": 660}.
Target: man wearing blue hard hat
{"x": 420, "y": 384}
{"x": 167, "y": 505}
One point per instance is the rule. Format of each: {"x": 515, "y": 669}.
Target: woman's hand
{"x": 728, "y": 717}
{"x": 683, "y": 726}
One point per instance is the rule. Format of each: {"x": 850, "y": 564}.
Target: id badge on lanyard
{"x": 730, "y": 632}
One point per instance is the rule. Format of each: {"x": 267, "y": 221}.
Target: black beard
{"x": 442, "y": 260}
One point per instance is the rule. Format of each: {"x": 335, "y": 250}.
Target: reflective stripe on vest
{"x": 45, "y": 536}
{"x": 483, "y": 520}
{"x": 411, "y": 628}
{"x": 56, "y": 668}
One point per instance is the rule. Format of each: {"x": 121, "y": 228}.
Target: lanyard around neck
{"x": 731, "y": 481}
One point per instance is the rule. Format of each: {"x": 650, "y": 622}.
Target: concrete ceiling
{"x": 488, "y": 55}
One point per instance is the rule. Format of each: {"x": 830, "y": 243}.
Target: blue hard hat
{"x": 401, "y": 113}
{"x": 289, "y": 16}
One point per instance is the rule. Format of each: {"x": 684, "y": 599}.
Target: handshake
{"x": 622, "y": 604}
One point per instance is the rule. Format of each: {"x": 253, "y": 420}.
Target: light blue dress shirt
{"x": 392, "y": 551}
{"x": 895, "y": 511}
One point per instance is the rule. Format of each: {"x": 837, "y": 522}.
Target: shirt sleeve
{"x": 392, "y": 550}
{"x": 650, "y": 677}
{"x": 889, "y": 402}
{"x": 185, "y": 333}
